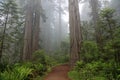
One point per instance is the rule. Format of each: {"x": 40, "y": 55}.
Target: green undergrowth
{"x": 92, "y": 71}
{"x": 96, "y": 65}
{"x": 35, "y": 69}
{"x": 22, "y": 71}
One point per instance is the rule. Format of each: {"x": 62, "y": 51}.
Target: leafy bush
{"x": 17, "y": 73}
{"x": 89, "y": 51}
{"x": 50, "y": 61}
{"x": 74, "y": 75}
{"x": 95, "y": 70}
{"x": 23, "y": 71}
{"x": 39, "y": 57}
{"x": 79, "y": 65}
{"x": 61, "y": 57}
{"x": 40, "y": 69}
{"x": 108, "y": 51}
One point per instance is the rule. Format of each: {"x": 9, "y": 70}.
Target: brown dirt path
{"x": 59, "y": 73}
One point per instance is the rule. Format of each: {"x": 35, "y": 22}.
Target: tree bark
{"x": 36, "y": 28}
{"x": 75, "y": 31}
{"x": 31, "y": 38}
{"x": 27, "y": 51}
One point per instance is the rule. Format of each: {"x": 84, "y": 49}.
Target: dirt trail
{"x": 58, "y": 73}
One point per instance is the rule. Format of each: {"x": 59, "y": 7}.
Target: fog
{"x": 55, "y": 28}
{"x": 54, "y": 20}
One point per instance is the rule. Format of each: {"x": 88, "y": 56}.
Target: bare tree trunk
{"x": 31, "y": 38}
{"x": 95, "y": 17}
{"x": 36, "y": 28}
{"x": 27, "y": 51}
{"x": 75, "y": 31}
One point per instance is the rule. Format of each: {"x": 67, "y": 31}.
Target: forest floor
{"x": 59, "y": 73}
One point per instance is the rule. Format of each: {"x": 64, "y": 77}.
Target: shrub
{"x": 17, "y": 73}
{"x": 23, "y": 71}
{"x": 39, "y": 57}
{"x": 74, "y": 75}
{"x": 89, "y": 51}
{"x": 40, "y": 69}
{"x": 79, "y": 65}
{"x": 96, "y": 70}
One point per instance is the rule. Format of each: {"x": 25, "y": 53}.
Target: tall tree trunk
{"x": 35, "y": 45}
{"x": 27, "y": 51}
{"x": 95, "y": 17}
{"x": 31, "y": 38}
{"x": 75, "y": 31}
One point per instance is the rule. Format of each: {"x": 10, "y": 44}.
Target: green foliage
{"x": 108, "y": 52}
{"x": 116, "y": 41}
{"x": 17, "y": 73}
{"x": 23, "y": 71}
{"x": 87, "y": 30}
{"x": 97, "y": 65}
{"x": 93, "y": 65}
{"x": 41, "y": 57}
{"x": 39, "y": 69}
{"x": 74, "y": 75}
{"x": 62, "y": 55}
{"x": 89, "y": 51}
{"x": 92, "y": 71}
{"x": 107, "y": 13}
{"x": 79, "y": 65}
{"x": 50, "y": 61}
{"x": 107, "y": 24}
{"x": 12, "y": 21}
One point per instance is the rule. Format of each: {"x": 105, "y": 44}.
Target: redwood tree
{"x": 27, "y": 51}
{"x": 95, "y": 18}
{"x": 31, "y": 38}
{"x": 75, "y": 31}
